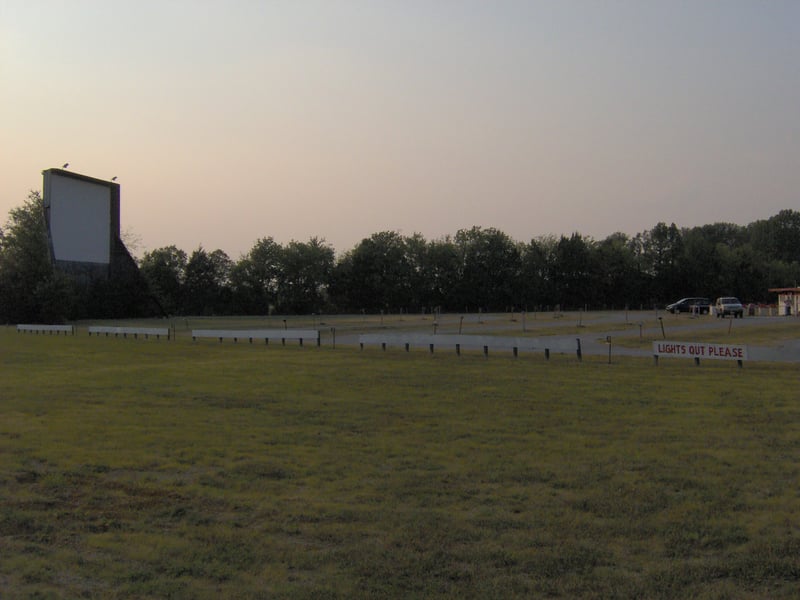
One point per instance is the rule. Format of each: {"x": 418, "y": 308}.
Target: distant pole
{"x": 661, "y": 322}
{"x": 460, "y": 324}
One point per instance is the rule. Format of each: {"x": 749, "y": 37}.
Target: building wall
{"x": 789, "y": 301}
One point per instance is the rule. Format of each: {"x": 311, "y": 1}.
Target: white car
{"x": 728, "y": 305}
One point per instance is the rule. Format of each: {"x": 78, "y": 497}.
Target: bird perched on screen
{"x": 65, "y": 165}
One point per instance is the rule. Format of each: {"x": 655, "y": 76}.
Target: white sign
{"x": 700, "y": 350}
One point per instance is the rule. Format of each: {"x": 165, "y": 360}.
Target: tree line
{"x": 477, "y": 269}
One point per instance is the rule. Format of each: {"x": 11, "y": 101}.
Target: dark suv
{"x": 701, "y": 305}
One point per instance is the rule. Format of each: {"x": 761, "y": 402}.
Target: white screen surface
{"x": 80, "y": 220}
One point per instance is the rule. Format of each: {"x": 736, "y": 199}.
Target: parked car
{"x": 728, "y": 305}
{"x": 688, "y": 305}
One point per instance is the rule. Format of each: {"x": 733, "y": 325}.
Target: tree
{"x": 30, "y": 289}
{"x": 778, "y": 237}
{"x": 701, "y": 262}
{"x": 206, "y": 290}
{"x": 254, "y": 278}
{"x": 536, "y": 286}
{"x": 618, "y": 280}
{"x": 440, "y": 271}
{"x": 375, "y": 275}
{"x": 164, "y": 270}
{"x": 662, "y": 250}
{"x": 416, "y": 253}
{"x": 305, "y": 270}
{"x": 572, "y": 271}
{"x": 489, "y": 269}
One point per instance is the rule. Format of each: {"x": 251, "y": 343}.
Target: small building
{"x": 788, "y": 300}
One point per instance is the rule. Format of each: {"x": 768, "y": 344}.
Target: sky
{"x": 230, "y": 121}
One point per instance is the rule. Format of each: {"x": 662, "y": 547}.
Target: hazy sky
{"x": 230, "y": 121}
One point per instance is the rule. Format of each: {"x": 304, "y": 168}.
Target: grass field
{"x": 144, "y": 468}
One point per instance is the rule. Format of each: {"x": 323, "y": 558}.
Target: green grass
{"x": 512, "y": 323}
{"x": 135, "y": 469}
{"x": 753, "y": 331}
